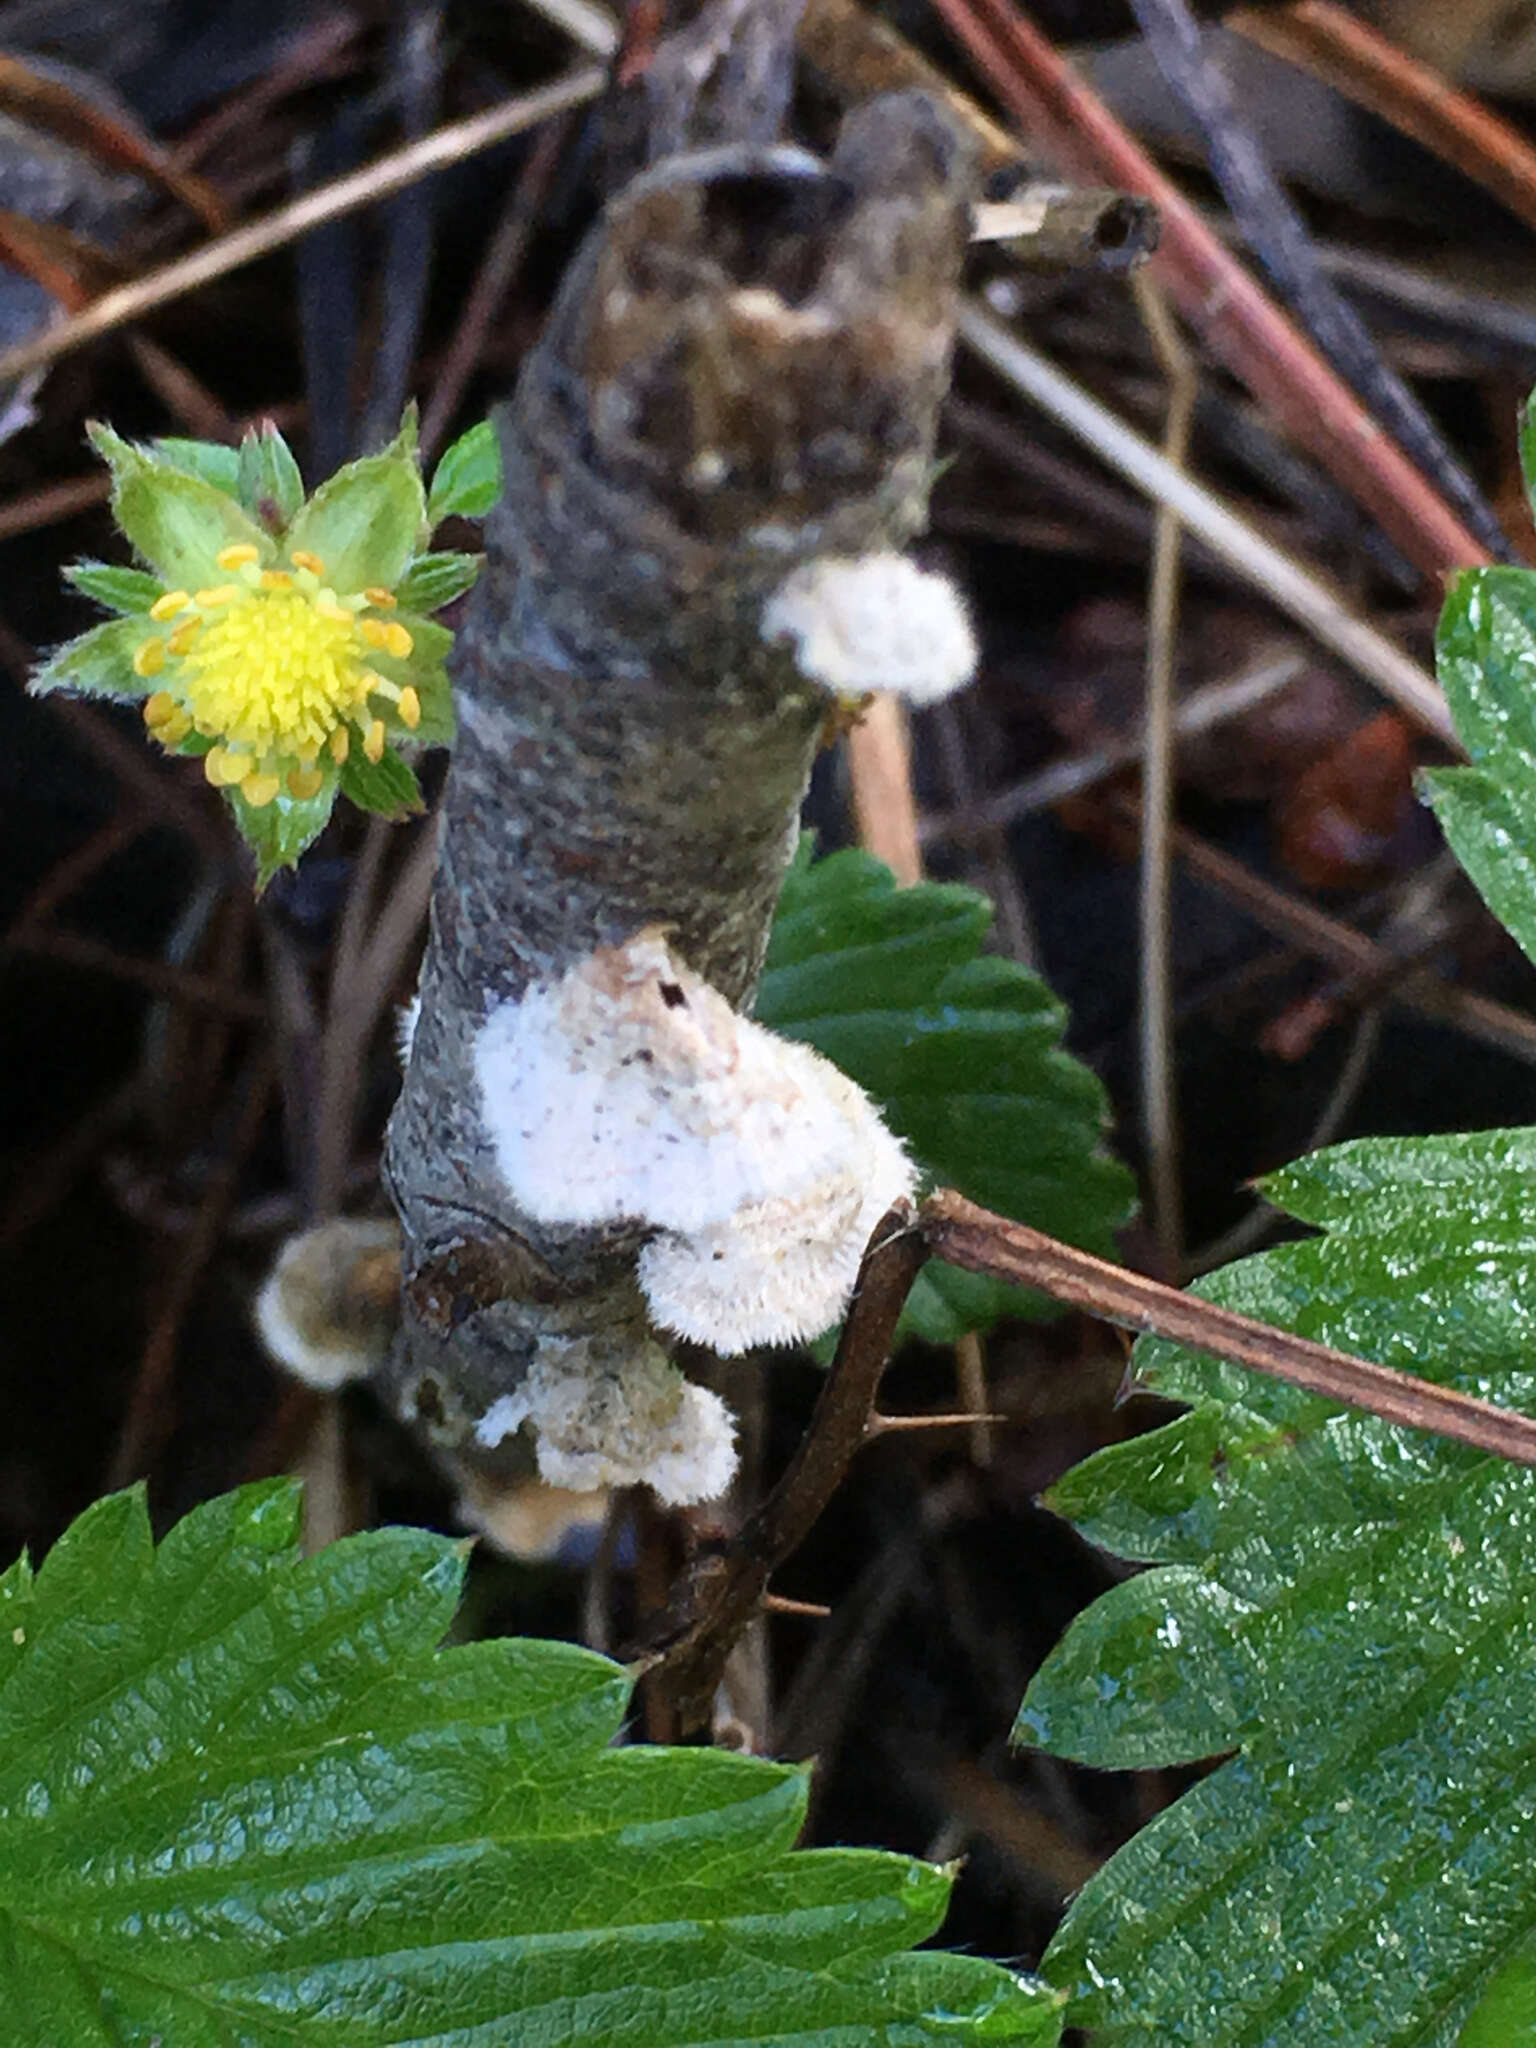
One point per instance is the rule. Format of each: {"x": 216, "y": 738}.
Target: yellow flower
{"x": 272, "y": 664}
{"x": 285, "y": 639}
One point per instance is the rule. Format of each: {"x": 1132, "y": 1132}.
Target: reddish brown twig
{"x": 721, "y": 1594}
{"x": 1358, "y": 61}
{"x": 975, "y": 1239}
{"x": 1240, "y": 324}
{"x": 716, "y": 1599}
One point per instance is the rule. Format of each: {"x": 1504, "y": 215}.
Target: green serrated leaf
{"x": 119, "y": 589}
{"x": 962, "y": 1052}
{"x": 435, "y": 580}
{"x": 268, "y": 482}
{"x": 387, "y": 786}
{"x": 279, "y": 832}
{"x": 1345, "y": 1605}
{"x": 245, "y": 1800}
{"x": 467, "y": 482}
{"x": 176, "y": 518}
{"x": 365, "y": 522}
{"x": 97, "y": 664}
{"x": 1492, "y": 830}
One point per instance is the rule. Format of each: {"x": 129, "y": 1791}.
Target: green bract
{"x": 282, "y": 639}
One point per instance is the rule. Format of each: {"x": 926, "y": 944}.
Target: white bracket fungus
{"x": 631, "y": 1091}
{"x": 874, "y": 622}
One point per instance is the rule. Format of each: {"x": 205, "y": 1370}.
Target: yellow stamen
{"x": 237, "y": 767}
{"x": 213, "y": 766}
{"x": 149, "y": 657}
{"x": 259, "y": 790}
{"x": 234, "y": 556}
{"x": 381, "y": 686}
{"x": 305, "y": 783}
{"x": 376, "y": 594}
{"x": 301, "y": 558}
{"x": 184, "y": 635}
{"x": 159, "y": 709}
{"x": 174, "y": 730}
{"x": 276, "y": 579}
{"x": 341, "y": 744}
{"x": 373, "y": 742}
{"x": 374, "y": 631}
{"x": 410, "y": 708}
{"x": 168, "y": 606}
{"x": 222, "y": 593}
{"x": 397, "y": 640}
{"x": 328, "y": 608}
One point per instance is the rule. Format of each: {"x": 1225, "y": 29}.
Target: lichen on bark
{"x": 741, "y": 373}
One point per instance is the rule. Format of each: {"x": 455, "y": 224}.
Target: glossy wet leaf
{"x": 1486, "y": 659}
{"x": 962, "y": 1051}
{"x": 246, "y": 1803}
{"x": 1346, "y": 1608}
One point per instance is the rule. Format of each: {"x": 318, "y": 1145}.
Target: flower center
{"x": 272, "y": 671}
{"x": 273, "y": 665}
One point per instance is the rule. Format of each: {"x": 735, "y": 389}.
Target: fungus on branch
{"x": 631, "y": 1091}
{"x": 595, "y": 1151}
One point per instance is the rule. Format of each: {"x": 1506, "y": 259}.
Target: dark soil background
{"x": 161, "y": 1032}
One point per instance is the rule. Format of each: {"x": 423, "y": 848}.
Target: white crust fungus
{"x": 618, "y": 1425}
{"x": 874, "y": 622}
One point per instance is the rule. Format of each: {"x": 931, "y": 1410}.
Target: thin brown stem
{"x": 980, "y": 1242}
{"x": 285, "y": 224}
{"x": 721, "y": 1594}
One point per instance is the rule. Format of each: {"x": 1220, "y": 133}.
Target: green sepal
{"x": 467, "y": 482}
{"x": 435, "y": 580}
{"x": 214, "y": 461}
{"x": 98, "y": 664}
{"x": 269, "y": 485}
{"x": 366, "y": 521}
{"x": 279, "y": 832}
{"x": 177, "y": 521}
{"x": 423, "y": 670}
{"x": 387, "y": 787}
{"x": 437, "y": 726}
{"x": 111, "y": 584}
